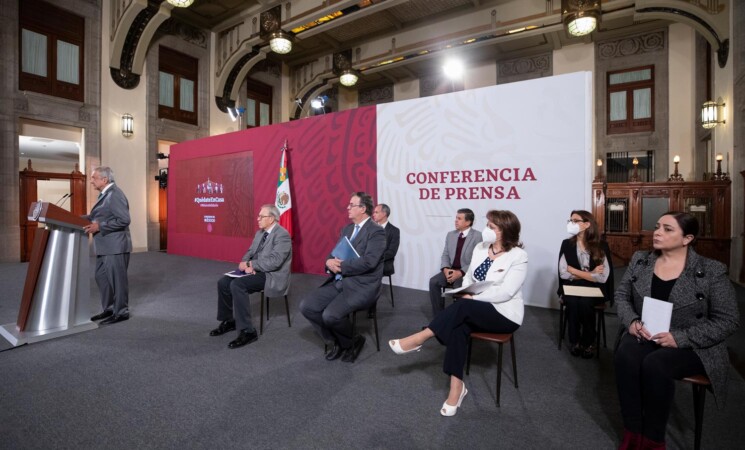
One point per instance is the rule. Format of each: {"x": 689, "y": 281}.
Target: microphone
{"x": 67, "y": 198}
{"x": 63, "y": 197}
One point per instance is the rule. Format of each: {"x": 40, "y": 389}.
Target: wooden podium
{"x": 56, "y": 294}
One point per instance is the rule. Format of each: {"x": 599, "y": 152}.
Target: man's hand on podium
{"x": 92, "y": 228}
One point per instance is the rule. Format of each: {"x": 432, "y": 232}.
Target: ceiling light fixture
{"x": 348, "y": 77}
{"x": 580, "y": 16}
{"x": 181, "y": 3}
{"x": 280, "y": 42}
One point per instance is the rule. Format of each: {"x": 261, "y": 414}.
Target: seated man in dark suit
{"x": 392, "y": 237}
{"x": 267, "y": 263}
{"x": 456, "y": 257}
{"x": 354, "y": 283}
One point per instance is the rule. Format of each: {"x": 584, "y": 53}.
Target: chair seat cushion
{"x": 493, "y": 337}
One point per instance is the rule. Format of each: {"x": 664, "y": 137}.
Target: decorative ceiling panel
{"x": 366, "y": 27}
{"x": 419, "y": 9}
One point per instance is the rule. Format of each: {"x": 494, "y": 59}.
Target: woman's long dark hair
{"x": 592, "y": 237}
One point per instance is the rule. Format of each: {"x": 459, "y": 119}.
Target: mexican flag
{"x": 283, "y": 200}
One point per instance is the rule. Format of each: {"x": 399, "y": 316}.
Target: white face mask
{"x": 488, "y": 236}
{"x": 572, "y": 228}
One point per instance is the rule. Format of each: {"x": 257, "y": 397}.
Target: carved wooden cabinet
{"x": 628, "y": 212}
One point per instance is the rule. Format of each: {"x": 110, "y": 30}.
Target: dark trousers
{"x": 645, "y": 376}
{"x": 454, "y": 325}
{"x": 233, "y": 299}
{"x": 111, "y": 278}
{"x": 327, "y": 309}
{"x": 581, "y": 319}
{"x": 436, "y": 284}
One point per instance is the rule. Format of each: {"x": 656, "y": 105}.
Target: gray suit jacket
{"x": 111, "y": 212}
{"x": 451, "y": 244}
{"x": 704, "y": 309}
{"x": 274, "y": 259}
{"x": 362, "y": 277}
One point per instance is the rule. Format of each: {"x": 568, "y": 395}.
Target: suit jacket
{"x": 704, "y": 309}
{"x": 508, "y": 273}
{"x": 451, "y": 244}
{"x": 361, "y": 277}
{"x": 392, "y": 240}
{"x": 111, "y": 212}
{"x": 274, "y": 259}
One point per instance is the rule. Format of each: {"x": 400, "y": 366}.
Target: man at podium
{"x": 111, "y": 239}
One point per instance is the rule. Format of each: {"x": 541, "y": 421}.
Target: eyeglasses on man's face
{"x": 262, "y": 217}
{"x": 352, "y": 205}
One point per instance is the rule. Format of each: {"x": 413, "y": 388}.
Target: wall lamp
{"x": 128, "y": 125}
{"x": 580, "y": 16}
{"x": 712, "y": 113}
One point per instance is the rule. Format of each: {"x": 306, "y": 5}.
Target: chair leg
{"x": 699, "y": 398}
{"x": 605, "y": 339}
{"x": 287, "y": 309}
{"x": 468, "y": 359}
{"x": 261, "y": 314}
{"x": 561, "y": 324}
{"x": 499, "y": 371}
{"x": 375, "y": 323}
{"x": 390, "y": 285}
{"x": 514, "y": 359}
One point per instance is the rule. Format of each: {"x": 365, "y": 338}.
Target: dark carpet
{"x": 159, "y": 381}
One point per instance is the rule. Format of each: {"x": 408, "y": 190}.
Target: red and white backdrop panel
{"x": 330, "y": 156}
{"x": 525, "y": 147}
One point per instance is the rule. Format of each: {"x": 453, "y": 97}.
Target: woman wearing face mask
{"x": 584, "y": 260}
{"x": 498, "y": 309}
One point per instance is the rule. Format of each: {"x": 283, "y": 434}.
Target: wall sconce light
{"x": 711, "y": 113}
{"x": 635, "y": 175}
{"x": 280, "y": 42}
{"x": 181, "y": 3}
{"x": 599, "y": 175}
{"x": 349, "y": 77}
{"x": 675, "y": 176}
{"x": 128, "y": 125}
{"x": 580, "y": 16}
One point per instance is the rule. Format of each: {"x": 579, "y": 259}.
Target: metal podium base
{"x": 16, "y": 338}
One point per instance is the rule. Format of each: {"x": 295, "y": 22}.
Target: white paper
{"x": 582, "y": 291}
{"x": 475, "y": 288}
{"x": 656, "y": 315}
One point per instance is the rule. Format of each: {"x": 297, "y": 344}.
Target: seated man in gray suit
{"x": 267, "y": 263}
{"x": 113, "y": 244}
{"x": 456, "y": 258}
{"x": 392, "y": 237}
{"x": 353, "y": 284}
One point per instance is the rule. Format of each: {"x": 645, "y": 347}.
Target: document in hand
{"x": 475, "y": 288}
{"x": 344, "y": 250}
{"x": 582, "y": 291}
{"x": 237, "y": 273}
{"x": 656, "y": 315}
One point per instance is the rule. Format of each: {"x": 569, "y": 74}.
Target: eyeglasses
{"x": 576, "y": 221}
{"x": 352, "y": 205}
{"x": 262, "y": 217}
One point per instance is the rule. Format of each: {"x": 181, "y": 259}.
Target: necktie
{"x": 458, "y": 251}
{"x": 354, "y": 233}
{"x": 261, "y": 243}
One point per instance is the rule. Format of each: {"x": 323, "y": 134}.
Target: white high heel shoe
{"x": 395, "y": 345}
{"x": 449, "y": 410}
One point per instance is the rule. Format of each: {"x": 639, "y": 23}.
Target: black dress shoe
{"x": 243, "y": 339}
{"x": 351, "y": 354}
{"x": 589, "y": 352}
{"x": 224, "y": 327}
{"x": 335, "y": 352}
{"x": 103, "y": 315}
{"x": 576, "y": 350}
{"x": 114, "y": 319}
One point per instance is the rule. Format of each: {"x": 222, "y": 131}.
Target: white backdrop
{"x": 539, "y": 130}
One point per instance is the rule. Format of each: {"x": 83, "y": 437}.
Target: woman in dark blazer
{"x": 704, "y": 313}
{"x": 584, "y": 260}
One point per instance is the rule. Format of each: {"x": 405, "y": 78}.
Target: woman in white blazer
{"x": 499, "y": 258}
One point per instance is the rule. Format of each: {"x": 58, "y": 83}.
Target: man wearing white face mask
{"x": 456, "y": 258}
